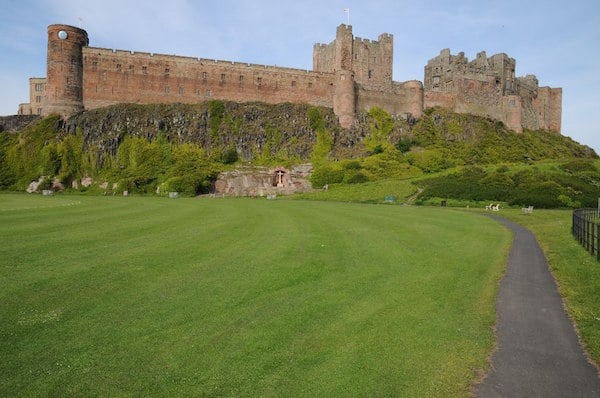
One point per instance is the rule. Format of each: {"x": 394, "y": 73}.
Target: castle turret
{"x": 64, "y": 84}
{"x": 344, "y": 95}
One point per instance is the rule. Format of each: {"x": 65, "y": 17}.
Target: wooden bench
{"x": 527, "y": 210}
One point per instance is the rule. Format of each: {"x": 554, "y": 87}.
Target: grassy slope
{"x": 145, "y": 296}
{"x": 369, "y": 192}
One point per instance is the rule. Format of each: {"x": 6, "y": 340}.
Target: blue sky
{"x": 558, "y": 41}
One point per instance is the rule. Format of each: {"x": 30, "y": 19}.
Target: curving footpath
{"x": 538, "y": 353}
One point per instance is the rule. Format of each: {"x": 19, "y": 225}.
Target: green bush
{"x": 404, "y": 145}
{"x": 381, "y": 125}
{"x": 430, "y": 161}
{"x": 230, "y": 156}
{"x": 216, "y": 110}
{"x": 579, "y": 165}
{"x": 355, "y": 177}
{"x": 326, "y": 174}
{"x": 187, "y": 185}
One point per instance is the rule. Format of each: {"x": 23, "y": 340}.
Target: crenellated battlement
{"x": 487, "y": 86}
{"x": 349, "y": 74}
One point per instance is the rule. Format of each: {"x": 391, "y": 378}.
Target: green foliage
{"x": 404, "y": 145}
{"x": 579, "y": 165}
{"x": 426, "y": 133}
{"x": 327, "y": 174}
{"x": 71, "y": 158}
{"x": 468, "y": 139}
{"x": 355, "y": 177}
{"x": 380, "y": 126}
{"x": 324, "y": 141}
{"x": 315, "y": 118}
{"x": 430, "y": 161}
{"x": 8, "y": 176}
{"x": 216, "y": 110}
{"x": 34, "y": 153}
{"x": 231, "y": 155}
{"x": 526, "y": 187}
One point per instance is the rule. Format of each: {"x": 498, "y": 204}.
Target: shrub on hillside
{"x": 326, "y": 174}
{"x": 355, "y": 177}
{"x": 187, "y": 185}
{"x": 430, "y": 161}
{"x": 579, "y": 165}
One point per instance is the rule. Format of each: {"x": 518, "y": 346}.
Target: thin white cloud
{"x": 553, "y": 39}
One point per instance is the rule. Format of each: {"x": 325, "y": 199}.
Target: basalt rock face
{"x": 14, "y": 123}
{"x": 248, "y": 127}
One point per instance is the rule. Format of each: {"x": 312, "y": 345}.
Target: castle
{"x": 350, "y": 74}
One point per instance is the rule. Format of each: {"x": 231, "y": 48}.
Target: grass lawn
{"x": 113, "y": 296}
{"x": 368, "y": 192}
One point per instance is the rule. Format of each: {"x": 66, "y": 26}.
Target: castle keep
{"x": 350, "y": 74}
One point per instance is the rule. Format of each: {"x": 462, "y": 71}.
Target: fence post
{"x": 586, "y": 229}
{"x": 597, "y": 241}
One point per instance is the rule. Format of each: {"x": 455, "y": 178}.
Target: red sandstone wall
{"x": 437, "y": 98}
{"x": 512, "y": 112}
{"x": 547, "y": 106}
{"x": 112, "y": 77}
{"x": 402, "y": 98}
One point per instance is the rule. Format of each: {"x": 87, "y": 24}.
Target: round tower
{"x": 64, "y": 78}
{"x": 344, "y": 97}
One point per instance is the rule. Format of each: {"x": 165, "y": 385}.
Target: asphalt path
{"x": 538, "y": 353}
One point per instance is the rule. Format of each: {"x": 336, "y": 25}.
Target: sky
{"x": 558, "y": 41}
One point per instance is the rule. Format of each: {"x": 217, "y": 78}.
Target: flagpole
{"x": 347, "y": 11}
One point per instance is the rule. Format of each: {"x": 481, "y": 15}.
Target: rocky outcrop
{"x": 264, "y": 181}
{"x": 14, "y": 123}
{"x": 250, "y": 128}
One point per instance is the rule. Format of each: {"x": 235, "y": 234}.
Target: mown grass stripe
{"x": 130, "y": 296}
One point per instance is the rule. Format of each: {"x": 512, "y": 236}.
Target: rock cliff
{"x": 249, "y": 127}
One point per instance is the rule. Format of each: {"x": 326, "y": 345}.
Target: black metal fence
{"x": 586, "y": 229}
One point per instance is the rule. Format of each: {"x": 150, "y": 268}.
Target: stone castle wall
{"x": 122, "y": 76}
{"x": 349, "y": 74}
{"x": 487, "y": 86}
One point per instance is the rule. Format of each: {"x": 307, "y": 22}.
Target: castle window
{"x": 180, "y": 90}
{"x": 118, "y": 67}
{"x": 310, "y": 84}
{"x": 39, "y": 87}
{"x": 222, "y": 77}
{"x": 241, "y": 80}
{"x": 167, "y": 72}
{"x": 94, "y": 65}
{"x": 370, "y": 73}
{"x": 207, "y": 93}
{"x": 204, "y": 76}
{"x": 144, "y": 70}
{"x": 131, "y": 69}
{"x": 167, "y": 89}
{"x": 38, "y": 98}
{"x": 259, "y": 81}
{"x": 39, "y": 111}
{"x": 293, "y": 83}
